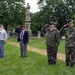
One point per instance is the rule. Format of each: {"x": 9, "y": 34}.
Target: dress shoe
{"x": 54, "y": 62}
{"x": 67, "y": 64}
{"x": 25, "y": 56}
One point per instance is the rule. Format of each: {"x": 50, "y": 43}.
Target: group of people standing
{"x": 52, "y": 42}
{"x": 22, "y": 37}
{"x": 53, "y": 39}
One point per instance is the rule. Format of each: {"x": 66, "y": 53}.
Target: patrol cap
{"x": 23, "y": 26}
{"x": 70, "y": 21}
{"x": 51, "y": 23}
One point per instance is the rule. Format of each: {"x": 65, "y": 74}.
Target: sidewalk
{"x": 40, "y": 51}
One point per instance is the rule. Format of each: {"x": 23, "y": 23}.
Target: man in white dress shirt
{"x": 3, "y": 38}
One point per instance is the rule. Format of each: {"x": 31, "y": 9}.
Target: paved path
{"x": 40, "y": 51}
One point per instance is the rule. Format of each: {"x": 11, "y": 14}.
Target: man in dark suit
{"x": 24, "y": 38}
{"x": 18, "y": 31}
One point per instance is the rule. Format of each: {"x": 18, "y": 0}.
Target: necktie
{"x": 21, "y": 36}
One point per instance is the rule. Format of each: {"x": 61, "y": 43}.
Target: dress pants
{"x": 23, "y": 49}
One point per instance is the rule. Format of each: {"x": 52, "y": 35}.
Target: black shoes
{"x": 72, "y": 65}
{"x": 67, "y": 64}
{"x": 24, "y": 56}
{"x": 49, "y": 63}
{"x": 54, "y": 62}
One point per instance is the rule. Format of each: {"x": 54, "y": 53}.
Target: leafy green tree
{"x": 13, "y": 12}
{"x": 35, "y": 22}
{"x": 58, "y": 11}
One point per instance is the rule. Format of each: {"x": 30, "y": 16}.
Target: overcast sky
{"x": 33, "y": 5}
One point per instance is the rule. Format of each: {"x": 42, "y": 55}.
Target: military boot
{"x": 72, "y": 65}
{"x": 67, "y": 64}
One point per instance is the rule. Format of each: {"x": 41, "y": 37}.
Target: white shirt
{"x": 3, "y": 34}
{"x": 22, "y": 34}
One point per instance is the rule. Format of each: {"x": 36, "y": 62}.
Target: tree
{"x": 13, "y": 12}
{"x": 58, "y": 11}
{"x": 35, "y": 22}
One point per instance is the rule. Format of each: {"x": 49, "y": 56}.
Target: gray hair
{"x": 1, "y": 26}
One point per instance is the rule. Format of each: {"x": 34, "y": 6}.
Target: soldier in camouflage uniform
{"x": 74, "y": 56}
{"x": 70, "y": 43}
{"x": 52, "y": 42}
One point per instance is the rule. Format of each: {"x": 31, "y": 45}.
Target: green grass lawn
{"x": 34, "y": 64}
{"x": 12, "y": 39}
{"x": 40, "y": 43}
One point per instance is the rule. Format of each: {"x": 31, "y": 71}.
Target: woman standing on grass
{"x": 3, "y": 38}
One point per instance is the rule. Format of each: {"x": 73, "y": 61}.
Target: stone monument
{"x": 39, "y": 34}
{"x": 28, "y": 20}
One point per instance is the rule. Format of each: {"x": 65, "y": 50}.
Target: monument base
{"x": 39, "y": 35}
{"x": 30, "y": 33}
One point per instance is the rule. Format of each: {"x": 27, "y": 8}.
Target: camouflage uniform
{"x": 69, "y": 45}
{"x": 74, "y": 56}
{"x": 52, "y": 43}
